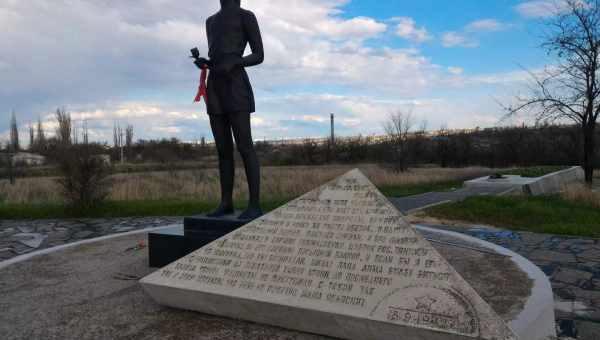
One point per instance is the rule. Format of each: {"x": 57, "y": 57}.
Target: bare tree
{"x": 309, "y": 151}
{"x": 116, "y": 135}
{"x": 129, "y": 136}
{"x": 13, "y": 147}
{"x": 63, "y": 130}
{"x": 571, "y": 89}
{"x": 118, "y": 141}
{"x": 418, "y": 144}
{"x": 75, "y": 133}
{"x": 397, "y": 129}
{"x": 129, "y": 139}
{"x": 31, "y": 138}
{"x": 14, "y": 134}
{"x": 443, "y": 145}
{"x": 86, "y": 133}
{"x": 41, "y": 136}
{"x": 423, "y": 126}
{"x": 10, "y": 168}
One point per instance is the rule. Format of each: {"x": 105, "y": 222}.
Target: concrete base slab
{"x": 90, "y": 292}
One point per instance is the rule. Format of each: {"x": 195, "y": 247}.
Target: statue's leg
{"x": 221, "y": 129}
{"x": 240, "y": 123}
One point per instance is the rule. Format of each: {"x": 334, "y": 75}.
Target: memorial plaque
{"x": 338, "y": 261}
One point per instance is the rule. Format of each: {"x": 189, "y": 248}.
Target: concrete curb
{"x": 427, "y": 206}
{"x": 31, "y": 255}
{"x": 548, "y": 184}
{"x": 536, "y": 321}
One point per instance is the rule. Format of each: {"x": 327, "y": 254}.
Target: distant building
{"x": 28, "y": 159}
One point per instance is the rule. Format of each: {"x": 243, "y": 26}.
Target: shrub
{"x": 85, "y": 179}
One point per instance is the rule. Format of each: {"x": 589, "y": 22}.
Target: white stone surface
{"x": 535, "y": 186}
{"x": 555, "y": 182}
{"x": 338, "y": 261}
{"x": 508, "y": 182}
{"x": 32, "y": 240}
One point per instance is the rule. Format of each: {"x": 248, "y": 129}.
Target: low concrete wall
{"x": 548, "y": 184}
{"x": 555, "y": 182}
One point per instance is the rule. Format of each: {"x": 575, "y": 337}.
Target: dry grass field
{"x": 203, "y": 184}
{"x": 582, "y": 194}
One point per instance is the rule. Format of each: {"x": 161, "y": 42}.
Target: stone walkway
{"x": 573, "y": 264}
{"x": 22, "y": 237}
{"x": 411, "y": 204}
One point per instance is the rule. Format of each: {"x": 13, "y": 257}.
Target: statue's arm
{"x": 203, "y": 62}
{"x": 208, "y": 32}
{"x": 252, "y": 31}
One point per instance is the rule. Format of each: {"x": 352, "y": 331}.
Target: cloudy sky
{"x": 449, "y": 62}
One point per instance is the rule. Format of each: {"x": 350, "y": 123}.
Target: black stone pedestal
{"x": 168, "y": 245}
{"x": 203, "y": 228}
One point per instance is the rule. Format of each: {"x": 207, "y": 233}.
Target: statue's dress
{"x": 229, "y": 31}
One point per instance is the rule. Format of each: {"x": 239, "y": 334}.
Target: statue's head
{"x": 230, "y": 3}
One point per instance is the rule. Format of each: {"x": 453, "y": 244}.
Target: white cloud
{"x": 455, "y": 70}
{"x": 455, "y": 39}
{"x": 172, "y": 130}
{"x": 467, "y": 36}
{"x": 313, "y": 118}
{"x": 543, "y": 8}
{"x": 127, "y": 61}
{"x": 407, "y": 29}
{"x": 100, "y": 51}
{"x": 366, "y": 114}
{"x": 536, "y": 9}
{"x": 502, "y": 81}
{"x": 359, "y": 28}
{"x": 486, "y": 25}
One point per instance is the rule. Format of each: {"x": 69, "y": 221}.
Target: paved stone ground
{"x": 573, "y": 266}
{"x": 22, "y": 237}
{"x": 92, "y": 292}
{"x": 418, "y": 202}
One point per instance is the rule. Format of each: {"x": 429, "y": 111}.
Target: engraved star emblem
{"x": 424, "y": 303}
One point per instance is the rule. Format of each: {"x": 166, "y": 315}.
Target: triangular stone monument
{"x": 338, "y": 261}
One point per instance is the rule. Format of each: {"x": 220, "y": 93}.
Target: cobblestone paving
{"x": 22, "y": 237}
{"x": 573, "y": 266}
